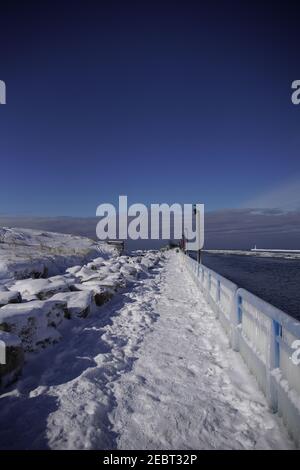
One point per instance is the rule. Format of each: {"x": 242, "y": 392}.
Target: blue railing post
{"x": 219, "y": 291}
{"x": 273, "y": 361}
{"x": 236, "y": 320}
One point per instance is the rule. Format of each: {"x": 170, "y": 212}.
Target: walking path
{"x": 154, "y": 371}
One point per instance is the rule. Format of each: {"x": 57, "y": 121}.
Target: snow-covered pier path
{"x": 154, "y": 371}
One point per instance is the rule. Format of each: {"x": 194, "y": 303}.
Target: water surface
{"x": 276, "y": 280}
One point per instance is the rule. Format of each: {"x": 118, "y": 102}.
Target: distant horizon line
{"x": 254, "y": 210}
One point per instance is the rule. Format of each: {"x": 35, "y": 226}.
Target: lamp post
{"x": 186, "y": 235}
{"x": 197, "y": 214}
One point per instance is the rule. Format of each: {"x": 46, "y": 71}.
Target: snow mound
{"x": 32, "y": 253}
{"x": 38, "y": 309}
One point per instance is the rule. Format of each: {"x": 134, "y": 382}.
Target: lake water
{"x": 276, "y": 280}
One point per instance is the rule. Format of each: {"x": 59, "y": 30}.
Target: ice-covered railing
{"x": 265, "y": 337}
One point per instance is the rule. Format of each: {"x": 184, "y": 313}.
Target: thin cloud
{"x": 224, "y": 229}
{"x": 285, "y": 197}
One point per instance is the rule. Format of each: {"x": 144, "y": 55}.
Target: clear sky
{"x": 162, "y": 101}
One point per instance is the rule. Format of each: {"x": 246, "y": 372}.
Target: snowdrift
{"x": 31, "y": 253}
{"x": 35, "y": 307}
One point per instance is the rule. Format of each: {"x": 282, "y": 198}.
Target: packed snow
{"x": 150, "y": 369}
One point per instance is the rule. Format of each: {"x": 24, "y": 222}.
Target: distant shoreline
{"x": 287, "y": 254}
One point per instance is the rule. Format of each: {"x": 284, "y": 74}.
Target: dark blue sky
{"x": 162, "y": 101}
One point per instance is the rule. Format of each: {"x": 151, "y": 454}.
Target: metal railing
{"x": 265, "y": 337}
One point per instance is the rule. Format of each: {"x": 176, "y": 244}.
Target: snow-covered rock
{"x": 107, "y": 278}
{"x": 79, "y": 304}
{"x": 34, "y": 322}
{"x": 30, "y": 286}
{"x": 101, "y": 294}
{"x": 29, "y": 298}
{"x": 67, "y": 279}
{"x": 9, "y": 339}
{"x": 129, "y": 272}
{"x": 115, "y": 267}
{"x": 13, "y": 354}
{"x": 46, "y": 277}
{"x": 73, "y": 269}
{"x": 102, "y": 297}
{"x": 96, "y": 263}
{"x": 86, "y": 274}
{"x": 9, "y": 297}
{"x": 148, "y": 262}
{"x": 42, "y": 288}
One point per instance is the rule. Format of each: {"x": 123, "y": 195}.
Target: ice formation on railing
{"x": 264, "y": 336}
{"x": 256, "y": 328}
